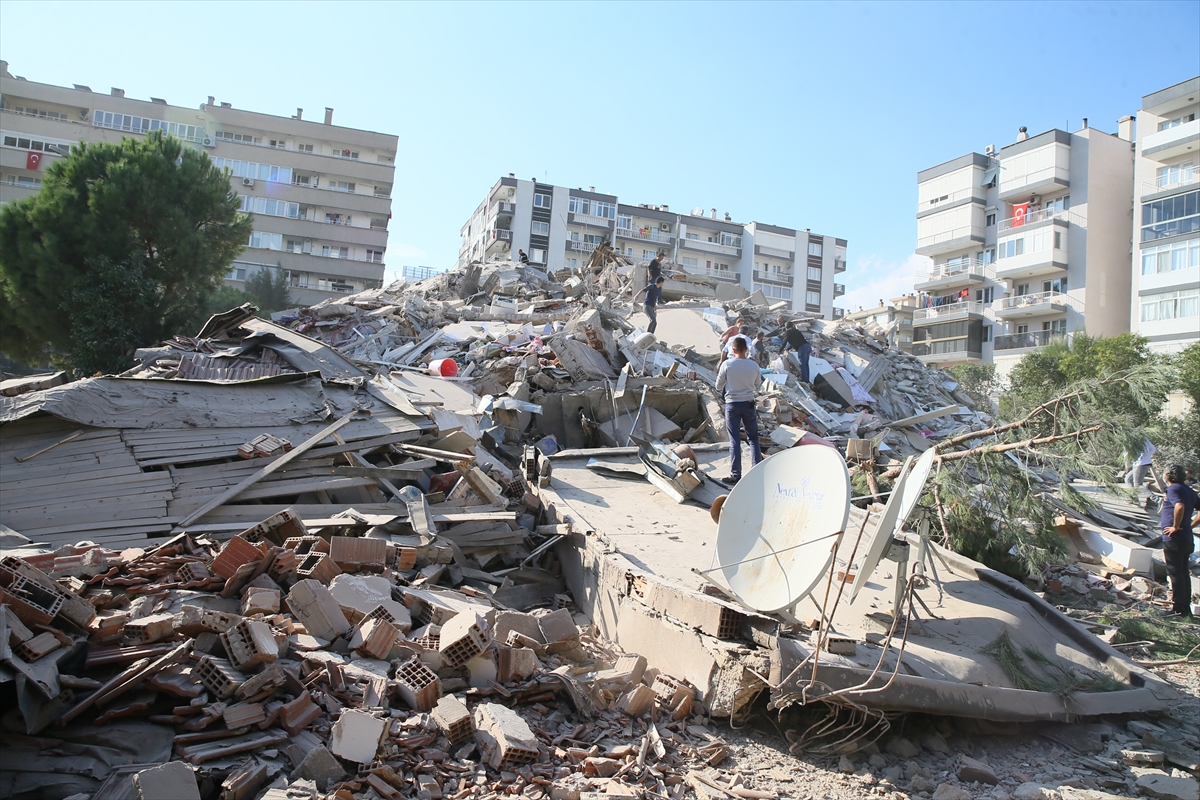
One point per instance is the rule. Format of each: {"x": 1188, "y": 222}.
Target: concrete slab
{"x": 355, "y": 736}
{"x": 680, "y": 325}
{"x": 174, "y": 780}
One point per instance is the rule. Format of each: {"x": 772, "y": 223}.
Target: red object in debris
{"x": 443, "y": 368}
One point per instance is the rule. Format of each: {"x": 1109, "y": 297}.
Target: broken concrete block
{"x": 260, "y": 601}
{"x": 219, "y": 676}
{"x": 319, "y": 765}
{"x": 1165, "y": 787}
{"x": 318, "y": 567}
{"x": 34, "y": 648}
{"x": 316, "y": 607}
{"x": 377, "y": 638}
{"x": 948, "y": 791}
{"x": 354, "y": 553}
{"x": 510, "y": 621}
{"x": 365, "y": 593}
{"x": 505, "y": 739}
{"x": 516, "y": 664}
{"x": 236, "y": 552}
{"x": 454, "y": 719}
{"x": 174, "y": 780}
{"x": 482, "y": 671}
{"x": 250, "y": 643}
{"x": 636, "y": 700}
{"x": 558, "y": 626}
{"x": 418, "y": 685}
{"x": 463, "y": 638}
{"x": 298, "y": 714}
{"x": 147, "y": 630}
{"x": 241, "y": 715}
{"x": 355, "y": 736}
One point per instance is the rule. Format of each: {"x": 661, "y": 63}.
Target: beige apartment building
{"x": 1029, "y": 243}
{"x": 892, "y": 320}
{"x": 559, "y": 227}
{"x": 319, "y": 194}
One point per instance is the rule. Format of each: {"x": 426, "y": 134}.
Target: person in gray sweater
{"x": 738, "y": 381}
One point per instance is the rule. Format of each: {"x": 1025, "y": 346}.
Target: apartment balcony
{"x": 839, "y": 265}
{"x": 976, "y": 194}
{"x": 956, "y": 275}
{"x": 949, "y": 312}
{"x": 1039, "y": 304}
{"x": 503, "y": 207}
{"x": 1036, "y": 219}
{"x": 947, "y": 358}
{"x": 498, "y": 240}
{"x": 1026, "y": 341}
{"x": 580, "y": 247}
{"x": 348, "y": 268}
{"x": 1167, "y": 185}
{"x": 784, "y": 278}
{"x": 711, "y": 247}
{"x": 501, "y": 235}
{"x": 1042, "y": 181}
{"x": 719, "y": 274}
{"x": 774, "y": 252}
{"x": 1052, "y": 261}
{"x": 1178, "y": 141}
{"x": 839, "y": 289}
{"x": 589, "y": 220}
{"x": 948, "y": 241}
{"x": 646, "y": 235}
{"x": 839, "y": 313}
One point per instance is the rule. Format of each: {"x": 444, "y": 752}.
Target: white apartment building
{"x": 1025, "y": 242}
{"x": 320, "y": 194}
{"x": 558, "y": 228}
{"x": 1166, "y": 231}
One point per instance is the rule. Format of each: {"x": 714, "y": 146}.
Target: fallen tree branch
{"x": 1003, "y": 448}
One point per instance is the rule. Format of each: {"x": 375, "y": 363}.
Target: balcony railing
{"x": 645, "y": 235}
{"x": 1041, "y": 216}
{"x": 1038, "y": 298}
{"x": 839, "y": 289}
{"x": 1022, "y": 341}
{"x": 949, "y": 310}
{"x": 590, "y": 219}
{"x": 711, "y": 247}
{"x": 501, "y": 235}
{"x": 947, "y": 236}
{"x": 953, "y": 197}
{"x": 969, "y": 267}
{"x": 774, "y": 252}
{"x": 580, "y": 247}
{"x": 839, "y": 265}
{"x": 774, "y": 277}
{"x": 503, "y": 207}
{"x": 719, "y": 274}
{"x": 1165, "y": 183}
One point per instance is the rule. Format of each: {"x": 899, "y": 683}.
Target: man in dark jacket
{"x": 795, "y": 340}
{"x": 656, "y": 267}
{"x": 653, "y": 294}
{"x": 1178, "y": 519}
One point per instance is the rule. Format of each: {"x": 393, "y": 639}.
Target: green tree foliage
{"x": 979, "y": 381}
{"x": 270, "y": 288}
{"x": 148, "y": 210}
{"x": 1188, "y": 364}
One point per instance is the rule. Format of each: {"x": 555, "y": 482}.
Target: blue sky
{"x": 809, "y": 115}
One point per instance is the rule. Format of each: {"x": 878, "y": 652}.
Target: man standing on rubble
{"x": 653, "y": 294}
{"x": 796, "y": 340}
{"x": 656, "y": 266}
{"x": 738, "y": 381}
{"x": 524, "y": 258}
{"x": 1178, "y": 519}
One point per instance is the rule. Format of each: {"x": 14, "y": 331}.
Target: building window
{"x": 593, "y": 239}
{"x": 579, "y": 205}
{"x": 624, "y": 222}
{"x": 540, "y": 229}
{"x": 298, "y": 246}
{"x": 985, "y": 295}
{"x": 1176, "y": 174}
{"x": 250, "y": 169}
{"x": 1175, "y": 123}
{"x": 304, "y": 148}
{"x": 375, "y": 256}
{"x": 648, "y": 254}
{"x": 125, "y": 122}
{"x": 333, "y": 251}
{"x": 1057, "y": 205}
{"x": 537, "y": 256}
{"x": 1171, "y": 257}
{"x": 340, "y": 153}
{"x": 1055, "y": 327}
{"x": 812, "y": 298}
{"x": 245, "y": 138}
{"x": 23, "y": 181}
{"x": 1024, "y": 328}
{"x": 686, "y": 261}
{"x": 342, "y": 186}
{"x": 1013, "y": 247}
{"x": 269, "y": 207}
{"x": 814, "y": 273}
{"x": 266, "y": 241}
{"x": 541, "y": 200}
{"x": 987, "y": 333}
{"x": 34, "y": 112}
{"x": 572, "y": 263}
{"x": 815, "y": 248}
{"x": 1173, "y": 216}
{"x": 990, "y": 219}
{"x": 602, "y": 209}
{"x": 1171, "y": 305}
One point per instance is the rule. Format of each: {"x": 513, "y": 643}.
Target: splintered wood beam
{"x": 286, "y": 458}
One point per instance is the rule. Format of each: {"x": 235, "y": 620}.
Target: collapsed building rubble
{"x": 381, "y": 547}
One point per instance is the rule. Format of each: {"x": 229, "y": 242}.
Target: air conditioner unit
{"x": 510, "y": 193}
{"x": 208, "y": 142}
{"x": 247, "y": 181}
{"x": 665, "y": 226}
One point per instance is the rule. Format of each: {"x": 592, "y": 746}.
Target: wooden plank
{"x": 440, "y": 455}
{"x": 295, "y": 453}
{"x": 303, "y": 486}
{"x": 49, "y": 447}
{"x": 413, "y": 469}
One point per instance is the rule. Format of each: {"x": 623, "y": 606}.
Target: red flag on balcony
{"x": 33, "y": 160}
{"x": 1019, "y": 212}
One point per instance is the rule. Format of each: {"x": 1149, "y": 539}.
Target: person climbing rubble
{"x": 738, "y": 381}
{"x": 653, "y": 295}
{"x": 1178, "y": 520}
{"x": 795, "y": 339}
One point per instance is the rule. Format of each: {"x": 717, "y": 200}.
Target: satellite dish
{"x": 905, "y": 494}
{"x": 914, "y": 487}
{"x": 795, "y": 497}
{"x": 881, "y": 538}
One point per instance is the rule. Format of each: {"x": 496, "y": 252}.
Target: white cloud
{"x": 873, "y": 279}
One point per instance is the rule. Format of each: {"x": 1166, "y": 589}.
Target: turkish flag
{"x": 33, "y": 160}
{"x": 1019, "y": 213}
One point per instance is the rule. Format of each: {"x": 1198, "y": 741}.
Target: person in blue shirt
{"x": 1178, "y": 519}
{"x": 653, "y": 294}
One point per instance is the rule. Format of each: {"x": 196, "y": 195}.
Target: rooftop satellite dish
{"x": 905, "y": 493}
{"x": 794, "y": 498}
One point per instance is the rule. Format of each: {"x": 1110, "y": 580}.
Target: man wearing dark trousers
{"x": 738, "y": 381}
{"x": 653, "y": 295}
{"x": 796, "y": 340}
{"x": 655, "y": 267}
{"x": 1178, "y": 519}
